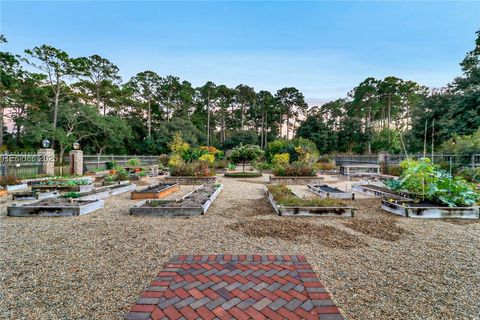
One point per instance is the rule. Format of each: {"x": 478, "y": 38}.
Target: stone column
{"x": 47, "y": 159}
{"x": 382, "y": 161}
{"x": 76, "y": 162}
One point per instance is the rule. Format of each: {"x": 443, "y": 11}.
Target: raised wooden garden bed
{"x": 196, "y": 202}
{"x": 360, "y": 169}
{"x": 295, "y": 180}
{"x": 325, "y": 191}
{"x": 34, "y": 195}
{"x": 106, "y": 191}
{"x": 155, "y": 192}
{"x": 150, "y": 170}
{"x": 379, "y": 191}
{"x": 66, "y": 188}
{"x": 57, "y": 207}
{"x": 427, "y": 209}
{"x": 309, "y": 211}
{"x": 189, "y": 180}
{"x": 17, "y": 187}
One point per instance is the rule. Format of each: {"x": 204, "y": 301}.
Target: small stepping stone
{"x": 236, "y": 287}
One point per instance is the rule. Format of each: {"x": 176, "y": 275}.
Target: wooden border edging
{"x": 343, "y": 212}
{"x": 431, "y": 212}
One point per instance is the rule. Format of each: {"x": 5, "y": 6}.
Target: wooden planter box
{"x": 379, "y": 192}
{"x": 343, "y": 212}
{"x": 42, "y": 209}
{"x": 34, "y": 195}
{"x": 165, "y": 210}
{"x": 405, "y": 208}
{"x": 33, "y": 182}
{"x": 107, "y": 191}
{"x": 190, "y": 180}
{"x": 295, "y": 180}
{"x": 325, "y": 191}
{"x": 17, "y": 187}
{"x": 82, "y": 188}
{"x": 155, "y": 192}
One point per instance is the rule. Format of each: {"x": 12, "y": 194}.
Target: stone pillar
{"x": 76, "y": 162}
{"x": 382, "y": 161}
{"x": 47, "y": 159}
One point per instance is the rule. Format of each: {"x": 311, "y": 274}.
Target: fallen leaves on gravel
{"x": 385, "y": 229}
{"x": 292, "y": 230}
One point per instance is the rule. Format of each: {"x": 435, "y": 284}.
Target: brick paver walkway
{"x": 235, "y": 287}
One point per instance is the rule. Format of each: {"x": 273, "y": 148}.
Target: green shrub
{"x": 262, "y": 166}
{"x": 295, "y": 169}
{"x": 325, "y": 166}
{"x": 74, "y": 195}
{"x": 470, "y": 174}
{"x": 192, "y": 169}
{"x": 134, "y": 162}
{"x": 221, "y": 164}
{"x": 281, "y": 159}
{"x": 163, "y": 159}
{"x": 122, "y": 175}
{"x": 242, "y": 174}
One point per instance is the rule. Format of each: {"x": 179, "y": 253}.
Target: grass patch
{"x": 284, "y": 196}
{"x": 242, "y": 174}
{"x": 291, "y": 230}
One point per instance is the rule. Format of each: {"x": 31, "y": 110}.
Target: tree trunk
{"x": 55, "y": 112}
{"x": 261, "y": 131}
{"x": 266, "y": 130}
{"x": 208, "y": 118}
{"x": 2, "y": 114}
{"x": 149, "y": 120}
{"x": 98, "y": 99}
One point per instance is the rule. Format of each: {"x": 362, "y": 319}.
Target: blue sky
{"x": 323, "y": 48}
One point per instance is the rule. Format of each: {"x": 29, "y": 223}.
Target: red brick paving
{"x": 235, "y": 287}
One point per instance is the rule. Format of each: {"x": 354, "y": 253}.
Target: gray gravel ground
{"x": 96, "y": 266}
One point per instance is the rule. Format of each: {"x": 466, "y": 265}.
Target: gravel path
{"x": 375, "y": 265}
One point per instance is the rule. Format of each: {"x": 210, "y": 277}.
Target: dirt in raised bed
{"x": 291, "y": 230}
{"x": 326, "y": 188}
{"x": 157, "y": 188}
{"x": 194, "y": 200}
{"x": 59, "y": 202}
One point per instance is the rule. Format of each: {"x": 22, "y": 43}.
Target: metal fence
{"x": 440, "y": 158}
{"x": 97, "y": 161}
{"x": 20, "y": 165}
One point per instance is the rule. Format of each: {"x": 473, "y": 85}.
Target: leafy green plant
{"x": 470, "y": 174}
{"x": 71, "y": 195}
{"x": 429, "y": 181}
{"x": 232, "y": 166}
{"x": 121, "y": 175}
{"x": 134, "y": 162}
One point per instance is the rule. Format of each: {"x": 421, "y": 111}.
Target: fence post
{"x": 98, "y": 161}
